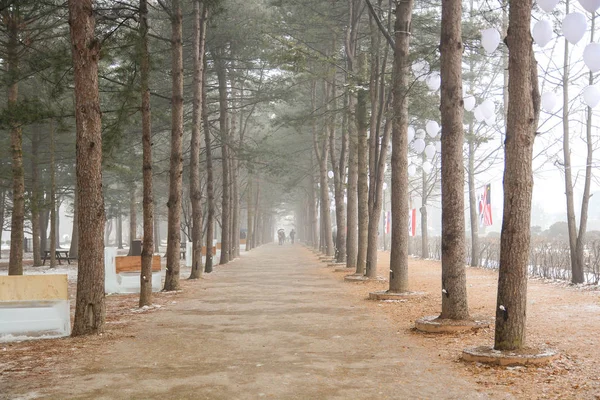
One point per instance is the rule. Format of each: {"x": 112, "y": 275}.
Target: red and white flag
{"x": 412, "y": 222}
{"x": 485, "y": 206}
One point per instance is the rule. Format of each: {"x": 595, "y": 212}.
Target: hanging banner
{"x": 412, "y": 222}
{"x": 485, "y": 206}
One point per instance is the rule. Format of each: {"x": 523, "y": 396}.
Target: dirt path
{"x": 268, "y": 325}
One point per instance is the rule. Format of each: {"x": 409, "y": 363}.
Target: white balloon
{"x": 469, "y": 103}
{"x": 438, "y": 146}
{"x": 420, "y": 68}
{"x": 590, "y": 5}
{"x": 420, "y": 134}
{"x": 542, "y": 32}
{"x": 434, "y": 81}
{"x": 490, "y": 121}
{"x": 574, "y": 26}
{"x": 591, "y": 96}
{"x": 549, "y": 101}
{"x": 418, "y": 146}
{"x": 490, "y": 39}
{"x": 478, "y": 113}
{"x": 412, "y": 170}
{"x": 384, "y": 186}
{"x": 488, "y": 108}
{"x": 547, "y": 5}
{"x": 432, "y": 128}
{"x": 411, "y": 134}
{"x": 430, "y": 151}
{"x": 427, "y": 167}
{"x": 591, "y": 56}
{"x": 330, "y": 174}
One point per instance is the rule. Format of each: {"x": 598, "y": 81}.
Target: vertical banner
{"x": 485, "y": 206}
{"x": 412, "y": 222}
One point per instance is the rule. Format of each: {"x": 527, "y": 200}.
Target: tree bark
{"x": 148, "y": 200}
{"x": 585, "y": 201}
{"x": 53, "y": 218}
{"x": 132, "y": 217}
{"x": 576, "y": 270}
{"x": 74, "y": 248}
{"x": 224, "y": 131}
{"x": 250, "y": 214}
{"x": 35, "y": 198}
{"x": 363, "y": 168}
{"x": 119, "y": 227}
{"x": 312, "y": 207}
{"x": 176, "y": 162}
{"x": 15, "y": 263}
{"x": 210, "y": 197}
{"x": 423, "y": 210}
{"x": 89, "y": 305}
{"x": 195, "y": 189}
{"x": 523, "y": 114}
{"x": 474, "y": 221}
{"x": 454, "y": 279}
{"x": 399, "y": 189}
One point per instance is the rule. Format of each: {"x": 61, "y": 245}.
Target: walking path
{"x": 267, "y": 325}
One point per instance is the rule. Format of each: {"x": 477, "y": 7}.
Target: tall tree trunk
{"x": 195, "y": 189}
{"x": 90, "y": 308}
{"x": 15, "y": 263}
{"x": 176, "y": 162}
{"x": 35, "y": 198}
{"x": 53, "y": 217}
{"x": 119, "y": 227}
{"x": 312, "y": 206}
{"x": 474, "y": 222}
{"x": 250, "y": 214}
{"x": 350, "y": 44}
{"x": 74, "y": 248}
{"x": 321, "y": 146}
{"x": 224, "y": 131}
{"x": 132, "y": 217}
{"x": 399, "y": 189}
{"x": 339, "y": 170}
{"x": 585, "y": 201}
{"x": 156, "y": 233}
{"x": 148, "y": 200}
{"x": 377, "y": 200}
{"x": 352, "y": 191}
{"x": 423, "y": 210}
{"x": 576, "y": 272}
{"x": 44, "y": 221}
{"x": 454, "y": 279}
{"x": 363, "y": 169}
{"x": 523, "y": 114}
{"x": 210, "y": 197}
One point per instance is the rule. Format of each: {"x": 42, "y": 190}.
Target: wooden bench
{"x": 60, "y": 255}
{"x": 34, "y": 306}
{"x": 122, "y": 273}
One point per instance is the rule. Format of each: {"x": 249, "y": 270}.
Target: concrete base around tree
{"x": 527, "y": 356}
{"x": 344, "y": 269}
{"x": 362, "y": 278}
{"x": 387, "y": 295}
{"x": 434, "y": 324}
{"x": 336, "y": 264}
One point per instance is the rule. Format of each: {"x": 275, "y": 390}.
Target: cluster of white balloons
{"x": 432, "y": 129}
{"x": 483, "y": 112}
{"x": 421, "y": 70}
{"x": 574, "y": 26}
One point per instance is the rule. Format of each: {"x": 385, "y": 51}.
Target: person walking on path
{"x": 292, "y": 234}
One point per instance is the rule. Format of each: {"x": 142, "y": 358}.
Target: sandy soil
{"x": 279, "y": 324}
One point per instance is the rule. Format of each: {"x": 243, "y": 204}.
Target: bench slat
{"x": 134, "y": 263}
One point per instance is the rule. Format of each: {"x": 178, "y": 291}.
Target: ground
{"x": 277, "y": 323}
